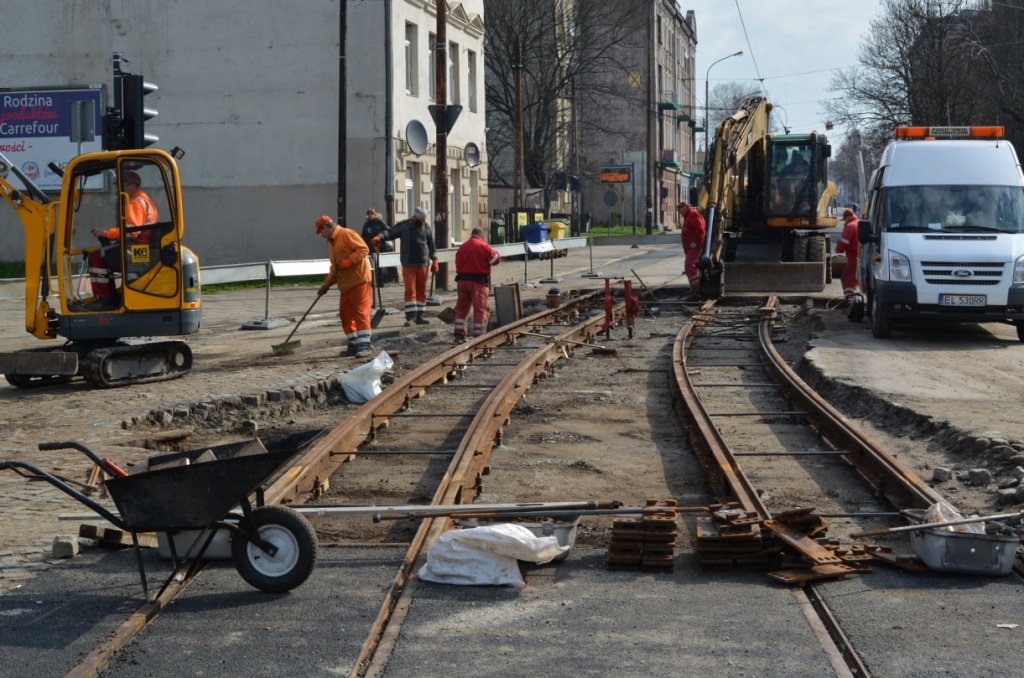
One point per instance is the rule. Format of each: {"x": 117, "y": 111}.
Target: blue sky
{"x": 793, "y": 45}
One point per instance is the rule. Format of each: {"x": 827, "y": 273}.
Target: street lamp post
{"x": 707, "y": 120}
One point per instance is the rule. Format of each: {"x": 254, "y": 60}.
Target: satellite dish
{"x": 416, "y": 135}
{"x": 472, "y": 154}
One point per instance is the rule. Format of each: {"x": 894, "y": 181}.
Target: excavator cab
{"x": 797, "y": 181}
{"x": 141, "y": 260}
{"x": 110, "y": 251}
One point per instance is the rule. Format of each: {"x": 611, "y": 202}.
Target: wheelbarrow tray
{"x": 196, "y": 495}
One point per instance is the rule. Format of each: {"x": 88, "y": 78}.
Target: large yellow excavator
{"x": 157, "y": 279}
{"x": 766, "y": 200}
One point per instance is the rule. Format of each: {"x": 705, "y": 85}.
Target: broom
{"x": 289, "y": 346}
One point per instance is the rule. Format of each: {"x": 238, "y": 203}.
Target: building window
{"x": 411, "y": 60}
{"x": 431, "y": 74}
{"x": 471, "y": 80}
{"x": 453, "y": 73}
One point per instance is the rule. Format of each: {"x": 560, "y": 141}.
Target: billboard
{"x": 35, "y": 129}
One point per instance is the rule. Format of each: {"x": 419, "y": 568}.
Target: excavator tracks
{"x": 136, "y": 363}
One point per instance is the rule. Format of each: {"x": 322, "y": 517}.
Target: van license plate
{"x": 972, "y": 300}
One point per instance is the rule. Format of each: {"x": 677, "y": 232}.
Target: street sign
{"x": 611, "y": 198}
{"x": 616, "y": 174}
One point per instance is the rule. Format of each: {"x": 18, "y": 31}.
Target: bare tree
{"x": 918, "y": 65}
{"x": 568, "y": 46}
{"x": 998, "y": 53}
{"x": 726, "y": 98}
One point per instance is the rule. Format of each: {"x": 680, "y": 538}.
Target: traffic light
{"x": 133, "y": 92}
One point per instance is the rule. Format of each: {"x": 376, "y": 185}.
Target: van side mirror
{"x": 864, "y": 234}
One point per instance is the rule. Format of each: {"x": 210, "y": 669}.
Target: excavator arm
{"x": 739, "y": 148}
{"x": 38, "y": 216}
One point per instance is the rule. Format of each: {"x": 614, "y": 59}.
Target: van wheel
{"x": 1020, "y": 331}
{"x": 881, "y": 325}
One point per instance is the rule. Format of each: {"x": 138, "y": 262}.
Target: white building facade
{"x": 249, "y": 89}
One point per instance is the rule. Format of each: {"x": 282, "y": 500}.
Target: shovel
{"x": 378, "y": 315}
{"x": 433, "y": 299}
{"x": 289, "y": 346}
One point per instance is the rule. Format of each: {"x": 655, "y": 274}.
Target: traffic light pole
{"x": 441, "y": 234}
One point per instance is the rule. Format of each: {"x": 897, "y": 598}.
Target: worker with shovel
{"x": 350, "y": 271}
{"x": 418, "y": 255}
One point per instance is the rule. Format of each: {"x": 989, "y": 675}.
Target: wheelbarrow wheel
{"x": 297, "y": 550}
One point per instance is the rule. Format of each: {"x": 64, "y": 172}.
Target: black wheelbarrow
{"x": 274, "y": 548}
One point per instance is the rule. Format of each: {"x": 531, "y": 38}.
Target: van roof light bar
{"x": 962, "y": 132}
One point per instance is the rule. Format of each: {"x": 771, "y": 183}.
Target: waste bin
{"x": 534, "y": 233}
{"x": 497, "y": 232}
{"x": 556, "y": 228}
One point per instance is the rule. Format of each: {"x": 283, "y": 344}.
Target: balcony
{"x": 668, "y": 101}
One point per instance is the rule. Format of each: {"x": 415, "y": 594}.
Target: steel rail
{"x": 301, "y": 480}
{"x": 726, "y": 478}
{"x": 902, "y": 487}
{"x": 465, "y": 471}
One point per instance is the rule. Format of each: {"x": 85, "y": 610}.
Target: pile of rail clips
{"x": 647, "y": 543}
{"x": 792, "y": 543}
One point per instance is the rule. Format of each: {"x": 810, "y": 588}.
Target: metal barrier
{"x": 231, "y": 273}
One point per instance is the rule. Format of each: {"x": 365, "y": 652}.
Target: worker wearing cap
{"x": 849, "y": 245}
{"x": 417, "y": 255}
{"x": 693, "y": 237}
{"x": 473, "y": 262}
{"x": 140, "y": 212}
{"x": 350, "y": 271}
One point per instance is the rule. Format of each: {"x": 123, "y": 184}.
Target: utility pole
{"x": 342, "y": 117}
{"x": 519, "y": 185}
{"x": 389, "y": 146}
{"x": 441, "y": 169}
{"x": 649, "y": 113}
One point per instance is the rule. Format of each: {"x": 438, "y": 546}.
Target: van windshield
{"x": 954, "y": 209}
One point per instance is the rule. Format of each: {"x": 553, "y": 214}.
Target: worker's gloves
{"x": 376, "y": 243}
{"x": 323, "y": 290}
{"x": 434, "y": 266}
{"x": 345, "y": 263}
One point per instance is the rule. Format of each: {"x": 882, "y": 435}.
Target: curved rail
{"x": 308, "y": 473}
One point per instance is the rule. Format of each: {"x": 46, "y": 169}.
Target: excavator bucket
{"x": 39, "y": 363}
{"x": 777, "y": 276}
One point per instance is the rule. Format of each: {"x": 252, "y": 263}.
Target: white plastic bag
{"x": 487, "y": 555}
{"x": 363, "y": 383}
{"x": 941, "y": 512}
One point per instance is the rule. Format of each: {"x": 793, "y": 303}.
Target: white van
{"x": 944, "y": 237}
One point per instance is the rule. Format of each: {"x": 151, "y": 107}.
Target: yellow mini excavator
{"x": 156, "y": 278}
{"x": 766, "y": 200}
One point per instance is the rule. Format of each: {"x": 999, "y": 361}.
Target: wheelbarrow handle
{"x": 110, "y": 466}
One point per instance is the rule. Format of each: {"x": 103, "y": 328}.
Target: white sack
{"x": 363, "y": 383}
{"x": 941, "y": 512}
{"x": 487, "y": 555}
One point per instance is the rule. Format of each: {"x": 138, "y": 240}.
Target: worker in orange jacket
{"x": 692, "y": 237}
{"x": 141, "y": 212}
{"x": 473, "y": 262}
{"x": 350, "y": 271}
{"x": 850, "y": 245}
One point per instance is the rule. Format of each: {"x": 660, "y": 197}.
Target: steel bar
{"x": 445, "y": 510}
{"x": 507, "y": 515}
{"x": 927, "y": 526}
{"x": 799, "y": 453}
{"x": 426, "y": 452}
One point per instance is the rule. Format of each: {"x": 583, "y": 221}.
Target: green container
{"x": 497, "y": 232}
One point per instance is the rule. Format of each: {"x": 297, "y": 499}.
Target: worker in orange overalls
{"x": 692, "y": 235}
{"x": 849, "y": 245}
{"x": 141, "y": 212}
{"x": 350, "y": 271}
{"x": 473, "y": 262}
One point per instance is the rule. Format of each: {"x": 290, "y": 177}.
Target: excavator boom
{"x": 765, "y": 199}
